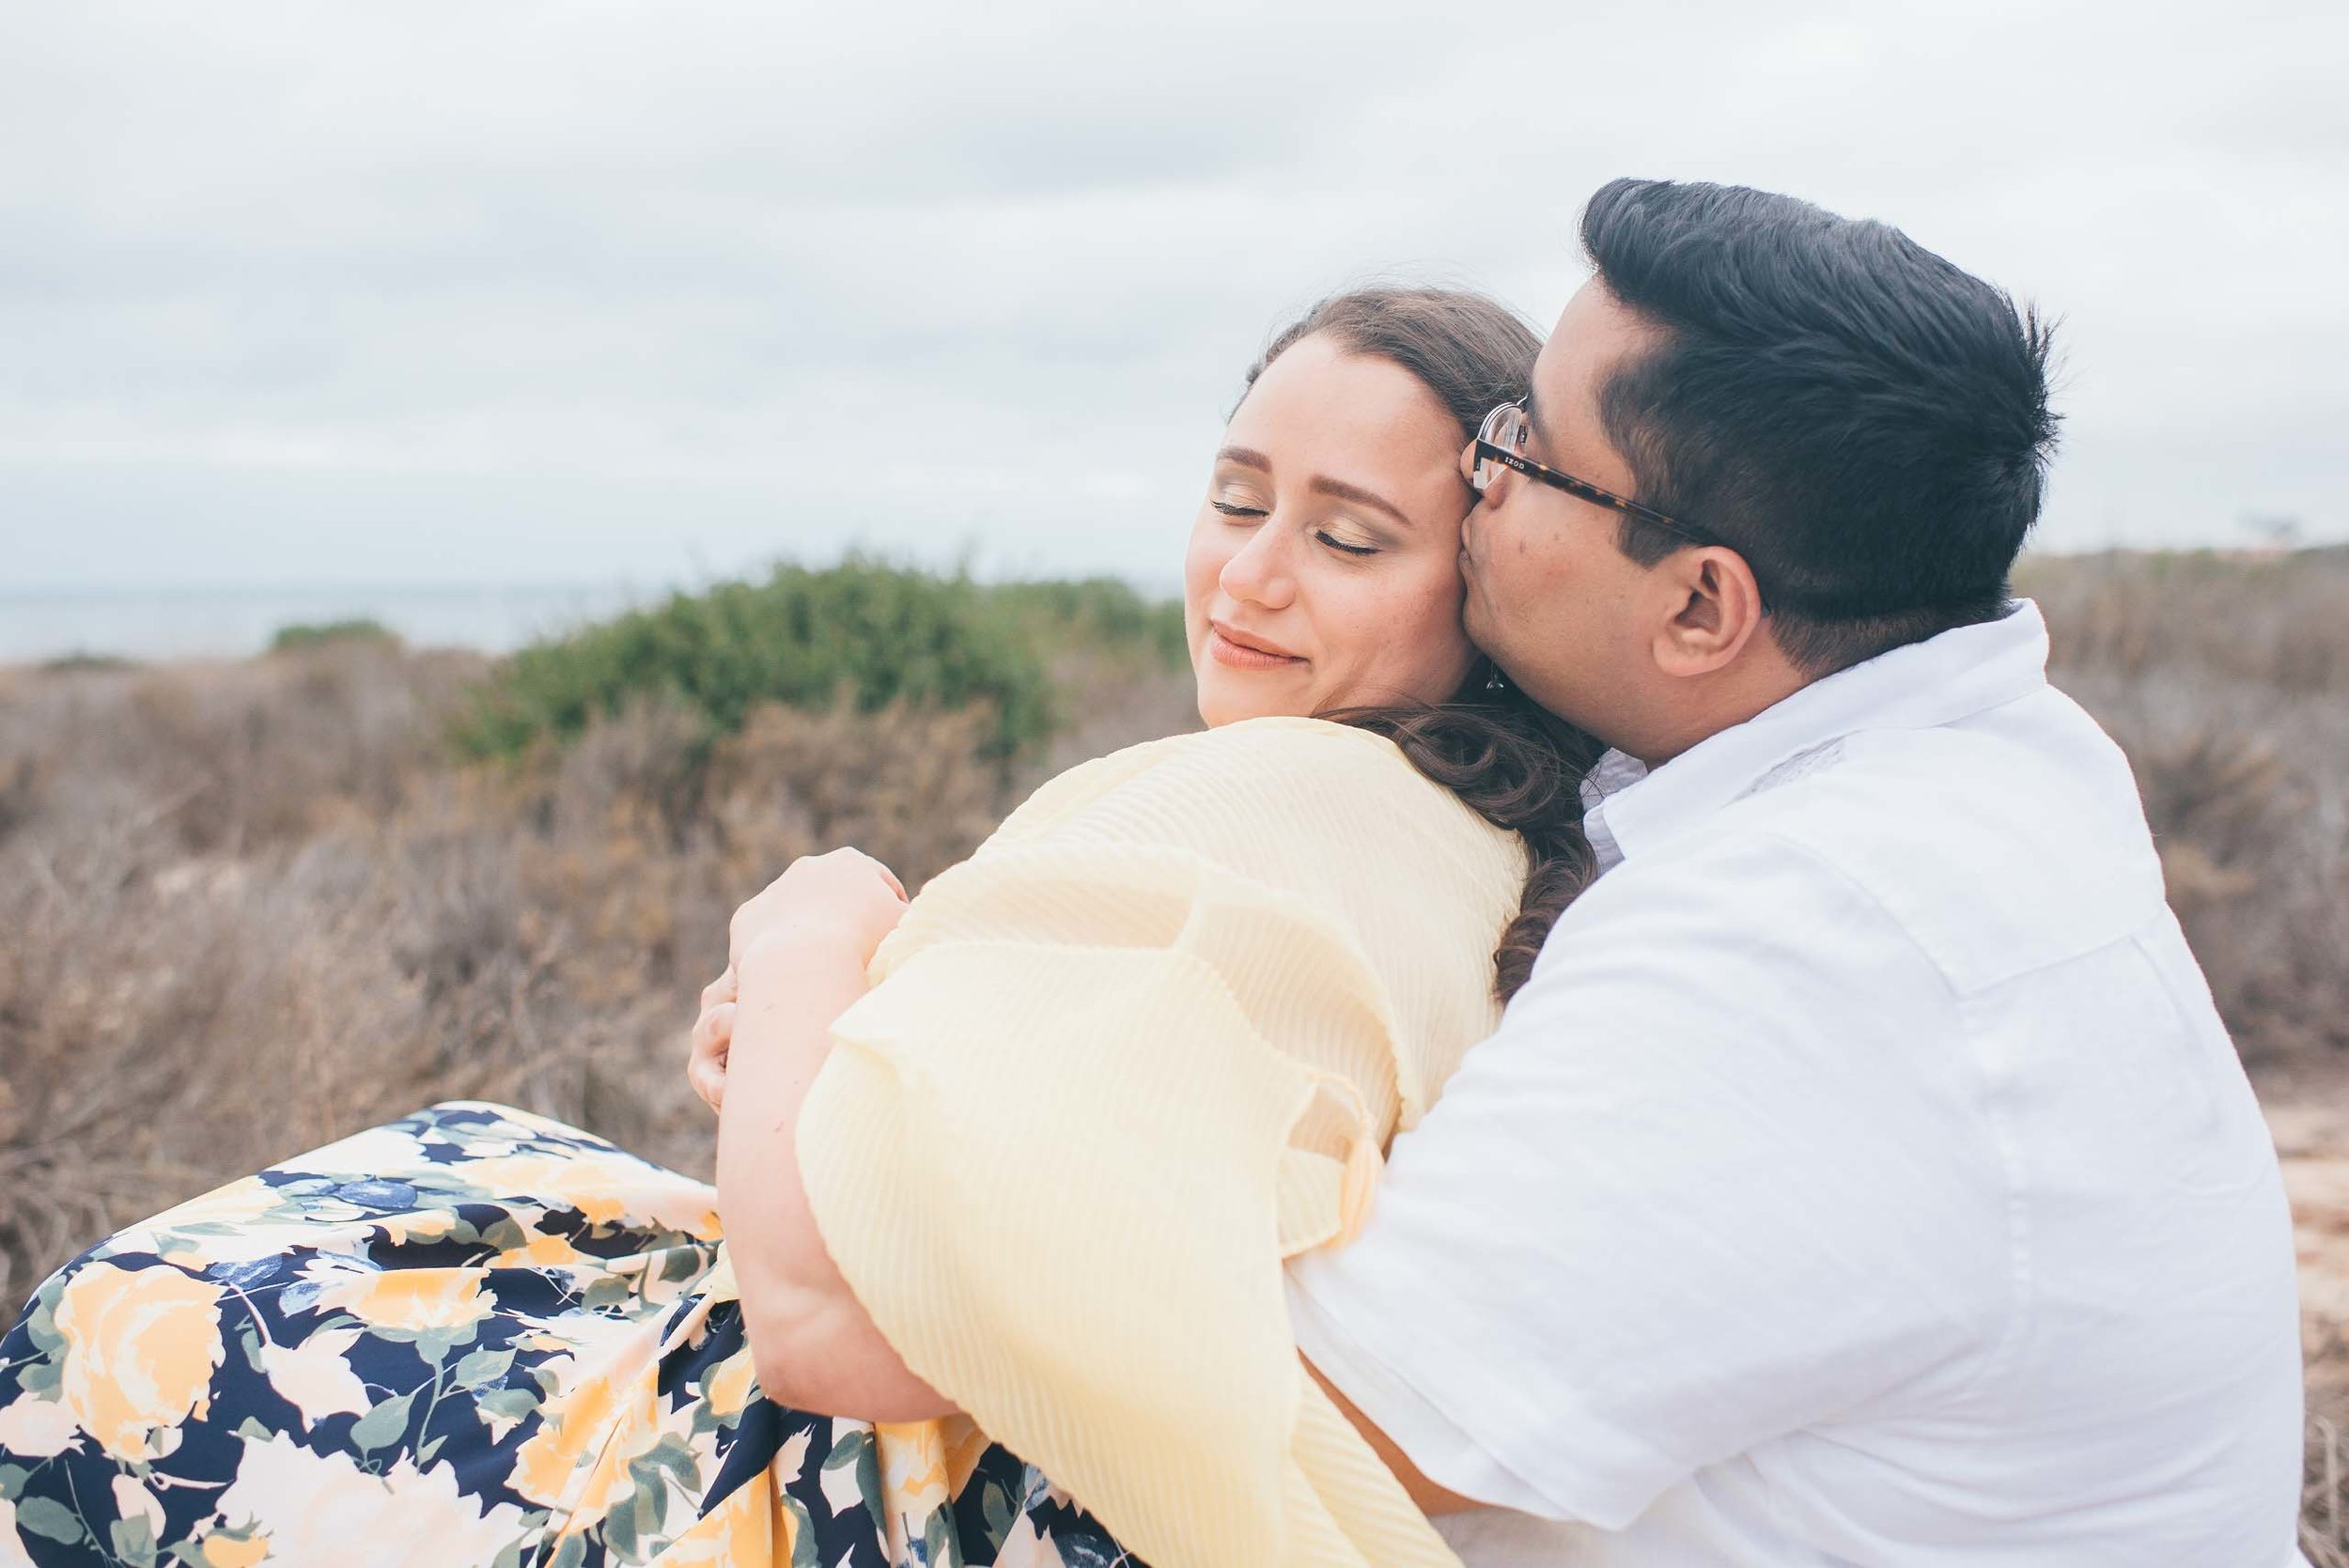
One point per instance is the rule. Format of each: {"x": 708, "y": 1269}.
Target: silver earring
{"x": 1496, "y": 681}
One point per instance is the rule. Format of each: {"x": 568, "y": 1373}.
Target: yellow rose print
{"x": 222, "y": 1550}
{"x": 413, "y": 1299}
{"x": 473, "y": 1336}
{"x": 141, "y": 1346}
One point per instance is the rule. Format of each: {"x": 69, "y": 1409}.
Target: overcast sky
{"x": 429, "y": 293}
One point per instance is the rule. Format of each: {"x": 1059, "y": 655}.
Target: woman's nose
{"x": 1258, "y": 572}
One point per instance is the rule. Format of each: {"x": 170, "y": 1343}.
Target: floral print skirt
{"x": 471, "y": 1335}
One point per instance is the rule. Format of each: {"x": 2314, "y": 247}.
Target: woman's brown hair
{"x": 1519, "y": 767}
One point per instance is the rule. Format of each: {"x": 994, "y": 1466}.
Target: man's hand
{"x": 713, "y": 1037}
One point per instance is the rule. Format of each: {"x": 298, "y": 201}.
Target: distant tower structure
{"x": 2278, "y": 532}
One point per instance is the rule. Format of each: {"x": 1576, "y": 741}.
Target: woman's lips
{"x": 1244, "y": 652}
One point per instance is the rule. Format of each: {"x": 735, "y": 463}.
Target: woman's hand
{"x": 845, "y": 895}
{"x": 800, "y": 953}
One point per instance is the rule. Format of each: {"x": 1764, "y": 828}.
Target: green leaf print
{"x": 49, "y": 1518}
{"x": 481, "y": 1368}
{"x": 674, "y": 1454}
{"x": 383, "y": 1425}
{"x": 41, "y": 1324}
{"x": 433, "y": 1345}
{"x": 12, "y": 1480}
{"x": 803, "y": 1535}
{"x": 619, "y": 1534}
{"x": 652, "y": 1501}
{"x": 307, "y": 1186}
{"x": 608, "y": 1290}
{"x": 937, "y": 1538}
{"x": 511, "y": 1405}
{"x": 995, "y": 1503}
{"x": 506, "y": 1236}
{"x": 652, "y": 1485}
{"x": 133, "y": 1541}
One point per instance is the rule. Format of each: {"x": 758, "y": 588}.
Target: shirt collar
{"x": 1924, "y": 685}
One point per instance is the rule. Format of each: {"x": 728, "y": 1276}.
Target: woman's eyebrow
{"x": 1247, "y": 456}
{"x": 1359, "y": 496}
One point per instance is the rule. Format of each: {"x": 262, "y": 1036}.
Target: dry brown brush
{"x": 252, "y": 908}
{"x": 2226, "y": 678}
{"x": 249, "y": 907}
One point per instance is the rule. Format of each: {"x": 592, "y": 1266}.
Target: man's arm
{"x": 1432, "y": 1500}
{"x": 1679, "y": 1205}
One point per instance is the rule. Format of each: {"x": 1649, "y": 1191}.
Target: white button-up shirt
{"x": 1863, "y": 1178}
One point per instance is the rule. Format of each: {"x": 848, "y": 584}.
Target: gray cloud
{"x": 318, "y": 292}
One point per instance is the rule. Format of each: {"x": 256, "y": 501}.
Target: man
{"x": 1864, "y": 1177}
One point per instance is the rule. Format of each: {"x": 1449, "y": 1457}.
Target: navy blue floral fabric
{"x": 471, "y": 1335}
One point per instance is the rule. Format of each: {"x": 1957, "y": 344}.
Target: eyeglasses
{"x": 1501, "y": 444}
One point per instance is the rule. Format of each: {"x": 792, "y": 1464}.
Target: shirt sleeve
{"x": 1718, "y": 1175}
{"x": 1145, "y": 1043}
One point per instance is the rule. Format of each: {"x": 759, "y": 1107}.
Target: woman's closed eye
{"x": 1241, "y": 511}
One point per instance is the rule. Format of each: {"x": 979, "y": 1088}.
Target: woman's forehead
{"x": 1319, "y": 398}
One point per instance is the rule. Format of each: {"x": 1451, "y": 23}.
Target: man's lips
{"x": 1228, "y": 645}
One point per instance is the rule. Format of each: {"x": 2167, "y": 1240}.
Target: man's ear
{"x": 1715, "y": 610}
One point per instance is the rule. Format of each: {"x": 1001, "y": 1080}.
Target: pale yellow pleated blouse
{"x": 1144, "y": 1044}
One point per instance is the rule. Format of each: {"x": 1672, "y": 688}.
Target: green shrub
{"x": 1096, "y": 614}
{"x": 1092, "y": 615}
{"x": 870, "y": 632}
{"x": 82, "y": 659}
{"x": 311, "y": 634}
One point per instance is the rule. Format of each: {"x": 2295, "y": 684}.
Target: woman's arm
{"x": 800, "y": 952}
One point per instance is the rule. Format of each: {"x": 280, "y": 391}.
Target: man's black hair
{"x": 1864, "y": 423}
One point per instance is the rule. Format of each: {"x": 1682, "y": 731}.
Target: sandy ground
{"x": 2312, "y": 1136}
{"x": 2311, "y": 1127}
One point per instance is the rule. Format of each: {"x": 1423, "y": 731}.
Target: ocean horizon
{"x": 148, "y": 622}
{"x": 225, "y": 621}
{"x": 197, "y": 621}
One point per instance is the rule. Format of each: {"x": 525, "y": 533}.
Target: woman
{"x": 475, "y": 1336}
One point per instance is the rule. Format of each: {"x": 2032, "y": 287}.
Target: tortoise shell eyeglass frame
{"x": 1503, "y": 432}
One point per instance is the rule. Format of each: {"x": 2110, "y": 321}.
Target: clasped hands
{"x": 845, "y": 896}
